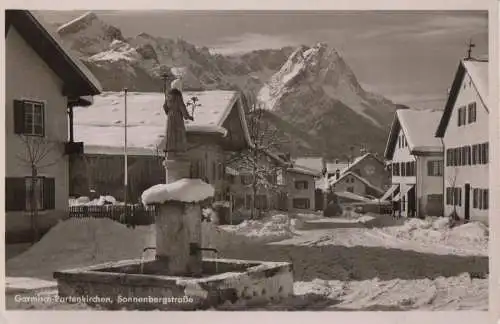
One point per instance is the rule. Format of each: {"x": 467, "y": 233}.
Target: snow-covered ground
{"x": 338, "y": 263}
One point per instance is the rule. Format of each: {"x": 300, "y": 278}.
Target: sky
{"x": 409, "y": 57}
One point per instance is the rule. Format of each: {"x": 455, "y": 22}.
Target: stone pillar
{"x": 178, "y": 226}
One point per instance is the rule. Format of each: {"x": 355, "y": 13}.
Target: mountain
{"x": 312, "y": 96}
{"x": 316, "y": 90}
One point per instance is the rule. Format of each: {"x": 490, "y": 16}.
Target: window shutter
{"x": 49, "y": 194}
{"x": 19, "y": 117}
{"x": 15, "y": 192}
{"x": 486, "y": 153}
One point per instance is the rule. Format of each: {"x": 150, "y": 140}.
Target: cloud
{"x": 251, "y": 41}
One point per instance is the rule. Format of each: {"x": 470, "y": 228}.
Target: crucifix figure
{"x": 469, "y": 50}
{"x": 175, "y": 141}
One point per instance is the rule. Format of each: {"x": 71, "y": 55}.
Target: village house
{"x": 463, "y": 130}
{"x": 415, "y": 158}
{"x": 43, "y": 83}
{"x": 219, "y": 127}
{"x": 287, "y": 187}
{"x": 354, "y": 183}
{"x": 301, "y": 188}
{"x": 365, "y": 175}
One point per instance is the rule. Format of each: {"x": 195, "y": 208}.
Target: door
{"x": 467, "y": 201}
{"x": 412, "y": 202}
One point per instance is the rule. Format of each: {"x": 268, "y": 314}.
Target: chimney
{"x": 337, "y": 161}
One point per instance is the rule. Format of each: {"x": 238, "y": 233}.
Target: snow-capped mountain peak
{"x": 88, "y": 34}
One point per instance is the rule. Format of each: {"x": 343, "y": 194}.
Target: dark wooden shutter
{"x": 49, "y": 193}
{"x": 15, "y": 194}
{"x": 19, "y": 117}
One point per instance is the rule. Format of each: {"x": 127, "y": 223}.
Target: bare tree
{"x": 40, "y": 153}
{"x": 256, "y": 160}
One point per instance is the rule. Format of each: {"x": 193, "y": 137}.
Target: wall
{"x": 28, "y": 77}
{"x": 293, "y": 193}
{"x": 380, "y": 178}
{"x": 469, "y": 134}
{"x": 428, "y": 185}
{"x": 351, "y": 181}
{"x": 402, "y": 154}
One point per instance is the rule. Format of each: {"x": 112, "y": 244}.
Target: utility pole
{"x": 125, "y": 153}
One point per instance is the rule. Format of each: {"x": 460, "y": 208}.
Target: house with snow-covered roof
{"x": 219, "y": 126}
{"x": 354, "y": 183}
{"x": 415, "y": 159}
{"x": 463, "y": 130}
{"x": 43, "y": 82}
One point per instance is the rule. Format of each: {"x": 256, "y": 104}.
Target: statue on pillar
{"x": 175, "y": 141}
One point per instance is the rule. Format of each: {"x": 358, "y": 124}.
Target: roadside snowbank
{"x": 452, "y": 293}
{"x": 273, "y": 228}
{"x": 470, "y": 236}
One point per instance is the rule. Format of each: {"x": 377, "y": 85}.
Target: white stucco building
{"x": 42, "y": 84}
{"x": 463, "y": 130}
{"x": 416, "y": 162}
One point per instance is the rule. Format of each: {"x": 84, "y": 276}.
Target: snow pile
{"x": 185, "y": 190}
{"x": 276, "y": 226}
{"x": 472, "y": 236}
{"x": 451, "y": 293}
{"x": 101, "y": 201}
{"x": 81, "y": 242}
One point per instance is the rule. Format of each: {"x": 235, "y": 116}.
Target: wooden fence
{"x": 129, "y": 215}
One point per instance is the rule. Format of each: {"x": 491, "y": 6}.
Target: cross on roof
{"x": 469, "y": 50}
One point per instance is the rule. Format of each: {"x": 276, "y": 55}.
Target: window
{"x": 29, "y": 117}
{"x": 462, "y": 116}
{"x": 350, "y": 189}
{"x": 280, "y": 180}
{"x": 403, "y": 169}
{"x": 246, "y": 179}
{"x": 18, "y": 193}
{"x": 481, "y": 199}
{"x": 396, "y": 169}
{"x": 472, "y": 112}
{"x": 301, "y": 203}
{"x": 475, "y": 198}
{"x": 301, "y": 185}
{"x": 435, "y": 168}
{"x": 403, "y": 203}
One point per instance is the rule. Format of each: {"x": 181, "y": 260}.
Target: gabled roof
{"x": 418, "y": 126}
{"x": 303, "y": 170}
{"x": 311, "y": 163}
{"x": 333, "y": 167}
{"x": 361, "y": 158}
{"x": 478, "y": 72}
{"x": 102, "y": 124}
{"x": 333, "y": 181}
{"x": 78, "y": 80}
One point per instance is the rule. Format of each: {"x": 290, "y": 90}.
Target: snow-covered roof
{"x": 333, "y": 167}
{"x": 42, "y": 37}
{"x": 478, "y": 72}
{"x": 333, "y": 181}
{"x": 418, "y": 127}
{"x": 102, "y": 124}
{"x": 353, "y": 196}
{"x": 303, "y": 170}
{"x": 311, "y": 163}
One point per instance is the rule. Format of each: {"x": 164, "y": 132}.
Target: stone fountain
{"x": 178, "y": 278}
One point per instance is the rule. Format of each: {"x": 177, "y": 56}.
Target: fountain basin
{"x": 121, "y": 285}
